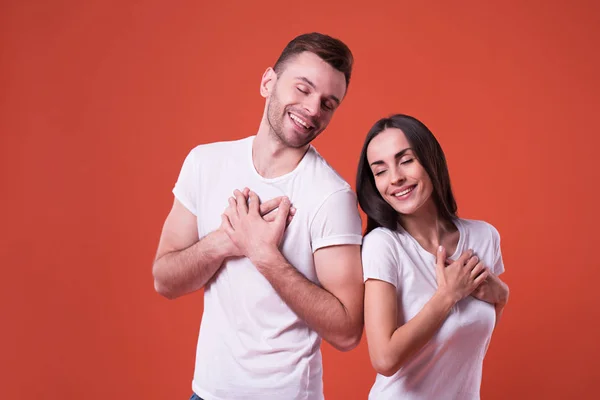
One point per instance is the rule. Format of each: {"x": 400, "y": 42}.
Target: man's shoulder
{"x": 222, "y": 146}
{"x": 219, "y": 150}
{"x": 323, "y": 174}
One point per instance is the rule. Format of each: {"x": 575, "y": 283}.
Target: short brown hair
{"x": 331, "y": 50}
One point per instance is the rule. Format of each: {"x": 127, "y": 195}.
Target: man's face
{"x": 302, "y": 99}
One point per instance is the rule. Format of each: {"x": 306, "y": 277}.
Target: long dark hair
{"x": 431, "y": 156}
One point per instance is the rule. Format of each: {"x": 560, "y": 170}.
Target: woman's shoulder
{"x": 478, "y": 227}
{"x": 380, "y": 237}
{"x": 384, "y": 237}
{"x": 385, "y": 234}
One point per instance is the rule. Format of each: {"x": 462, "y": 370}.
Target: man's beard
{"x": 276, "y": 115}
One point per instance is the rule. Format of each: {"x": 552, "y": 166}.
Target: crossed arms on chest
{"x": 184, "y": 263}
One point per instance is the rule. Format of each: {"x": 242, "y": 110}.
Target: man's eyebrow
{"x": 312, "y": 85}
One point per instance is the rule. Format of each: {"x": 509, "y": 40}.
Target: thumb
{"x": 282, "y": 213}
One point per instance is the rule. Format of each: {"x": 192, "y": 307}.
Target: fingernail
{"x": 440, "y": 248}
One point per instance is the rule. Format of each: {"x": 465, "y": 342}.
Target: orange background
{"x": 102, "y": 100}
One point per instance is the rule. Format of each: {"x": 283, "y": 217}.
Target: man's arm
{"x": 335, "y": 310}
{"x": 184, "y": 263}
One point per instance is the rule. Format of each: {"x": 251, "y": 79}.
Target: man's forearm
{"x": 320, "y": 309}
{"x": 184, "y": 271}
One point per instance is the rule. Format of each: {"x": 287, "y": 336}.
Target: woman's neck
{"x": 430, "y": 230}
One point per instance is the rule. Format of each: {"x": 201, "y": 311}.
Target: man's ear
{"x": 268, "y": 82}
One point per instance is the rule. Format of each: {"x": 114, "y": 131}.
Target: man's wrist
{"x": 266, "y": 257}
{"x": 221, "y": 244}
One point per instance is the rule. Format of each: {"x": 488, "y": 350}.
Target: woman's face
{"x": 399, "y": 176}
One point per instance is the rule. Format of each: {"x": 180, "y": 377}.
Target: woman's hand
{"x": 492, "y": 290}
{"x": 459, "y": 279}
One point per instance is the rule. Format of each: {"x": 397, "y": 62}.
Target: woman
{"x": 428, "y": 318}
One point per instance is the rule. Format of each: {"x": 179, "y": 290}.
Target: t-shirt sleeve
{"x": 186, "y": 187}
{"x": 498, "y": 267}
{"x": 380, "y": 257}
{"x": 337, "y": 221}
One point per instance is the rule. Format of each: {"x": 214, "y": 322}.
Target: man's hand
{"x": 250, "y": 233}
{"x": 268, "y": 213}
{"x": 268, "y": 208}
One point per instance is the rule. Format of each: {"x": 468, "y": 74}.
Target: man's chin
{"x": 301, "y": 139}
{"x": 298, "y": 141}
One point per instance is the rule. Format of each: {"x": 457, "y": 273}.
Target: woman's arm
{"x": 390, "y": 345}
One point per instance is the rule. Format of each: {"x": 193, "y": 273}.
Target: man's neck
{"x": 271, "y": 158}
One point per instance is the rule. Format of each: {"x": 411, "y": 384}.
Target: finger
{"x": 253, "y": 203}
{"x": 481, "y": 278}
{"x": 226, "y": 225}
{"x": 477, "y": 270}
{"x": 232, "y": 207}
{"x": 283, "y": 212}
{"x": 464, "y": 257}
{"x": 231, "y": 211}
{"x": 242, "y": 207}
{"x": 292, "y": 211}
{"x": 270, "y": 205}
{"x": 270, "y": 217}
{"x": 440, "y": 259}
{"x": 245, "y": 192}
{"x": 472, "y": 263}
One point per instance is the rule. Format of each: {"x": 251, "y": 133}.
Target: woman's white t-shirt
{"x": 450, "y": 365}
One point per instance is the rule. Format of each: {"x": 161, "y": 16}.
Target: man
{"x": 272, "y": 290}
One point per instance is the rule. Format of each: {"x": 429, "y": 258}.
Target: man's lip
{"x": 308, "y": 121}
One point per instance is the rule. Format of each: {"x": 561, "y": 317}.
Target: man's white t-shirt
{"x": 251, "y": 344}
{"x": 450, "y": 365}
